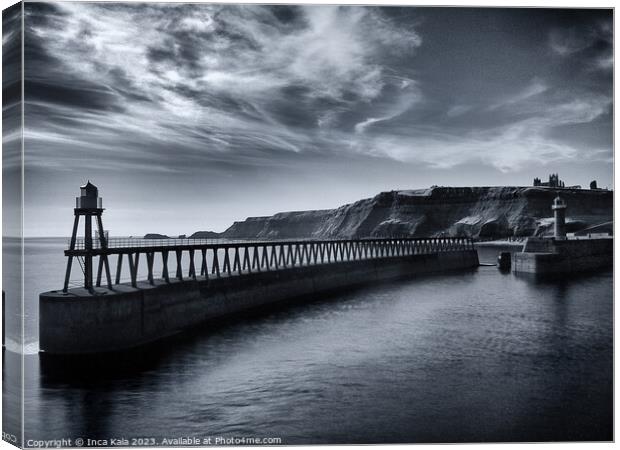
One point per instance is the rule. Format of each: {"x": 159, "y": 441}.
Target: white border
{"x": 457, "y": 3}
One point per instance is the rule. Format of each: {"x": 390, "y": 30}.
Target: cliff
{"x": 454, "y": 211}
{"x": 205, "y": 235}
{"x": 155, "y": 236}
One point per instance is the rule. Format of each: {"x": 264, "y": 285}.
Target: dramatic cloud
{"x": 210, "y": 79}
{"x": 238, "y": 92}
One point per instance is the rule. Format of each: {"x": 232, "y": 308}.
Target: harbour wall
{"x": 127, "y": 317}
{"x": 550, "y": 257}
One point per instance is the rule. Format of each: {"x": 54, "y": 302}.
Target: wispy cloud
{"x": 458, "y": 110}
{"x": 593, "y": 43}
{"x": 534, "y": 88}
{"x": 511, "y": 147}
{"x": 209, "y": 78}
{"x": 266, "y": 108}
{"x": 408, "y": 97}
{"x": 173, "y": 87}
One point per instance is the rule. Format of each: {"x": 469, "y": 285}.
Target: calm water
{"x": 477, "y": 356}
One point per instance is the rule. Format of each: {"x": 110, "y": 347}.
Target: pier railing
{"x": 80, "y": 243}
{"x": 217, "y": 258}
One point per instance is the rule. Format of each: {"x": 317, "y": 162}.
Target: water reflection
{"x": 461, "y": 357}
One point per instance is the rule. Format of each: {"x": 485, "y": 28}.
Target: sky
{"x": 189, "y": 117}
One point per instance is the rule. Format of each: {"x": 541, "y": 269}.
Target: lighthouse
{"x": 559, "y": 213}
{"x": 88, "y": 205}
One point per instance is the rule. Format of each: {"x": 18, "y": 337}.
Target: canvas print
{"x": 246, "y": 224}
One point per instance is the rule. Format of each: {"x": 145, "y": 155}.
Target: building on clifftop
{"x": 554, "y": 181}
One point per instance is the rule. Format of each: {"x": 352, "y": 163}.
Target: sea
{"x": 474, "y": 356}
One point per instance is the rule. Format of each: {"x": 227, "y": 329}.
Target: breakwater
{"x": 138, "y": 313}
{"x": 560, "y": 256}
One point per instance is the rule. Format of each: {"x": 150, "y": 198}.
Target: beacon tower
{"x": 88, "y": 205}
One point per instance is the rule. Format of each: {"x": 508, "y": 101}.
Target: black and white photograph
{"x": 229, "y": 224}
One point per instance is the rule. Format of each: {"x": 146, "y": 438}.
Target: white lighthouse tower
{"x": 559, "y": 213}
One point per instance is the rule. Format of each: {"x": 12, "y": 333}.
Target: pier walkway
{"x": 185, "y": 283}
{"x": 224, "y": 258}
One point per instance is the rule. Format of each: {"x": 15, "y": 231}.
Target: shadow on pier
{"x": 93, "y": 368}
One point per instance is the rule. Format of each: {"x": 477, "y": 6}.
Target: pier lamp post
{"x": 87, "y": 205}
{"x": 559, "y": 213}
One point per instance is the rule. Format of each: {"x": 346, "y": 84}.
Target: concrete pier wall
{"x": 78, "y": 322}
{"x": 549, "y": 257}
